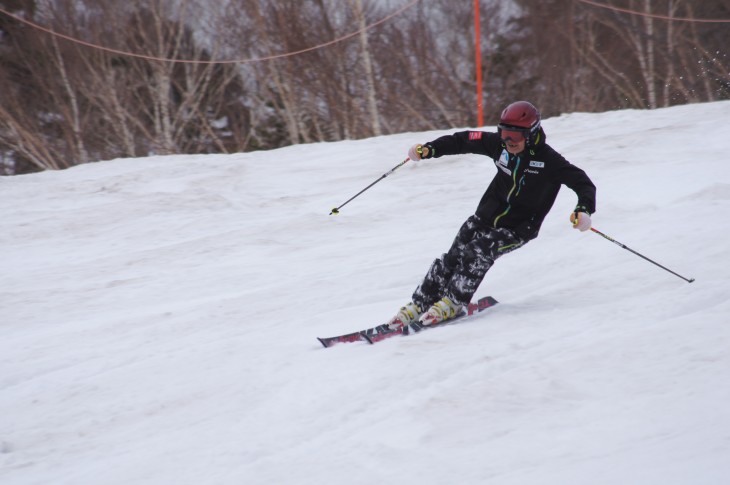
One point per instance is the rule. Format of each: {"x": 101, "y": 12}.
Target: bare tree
{"x": 88, "y": 104}
{"x": 69, "y": 104}
{"x": 619, "y": 59}
{"x": 367, "y": 63}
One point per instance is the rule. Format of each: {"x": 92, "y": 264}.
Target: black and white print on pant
{"x": 458, "y": 273}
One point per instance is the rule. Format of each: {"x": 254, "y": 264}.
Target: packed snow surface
{"x": 158, "y": 318}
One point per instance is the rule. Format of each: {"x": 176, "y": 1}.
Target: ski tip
{"x": 481, "y": 304}
{"x": 323, "y": 342}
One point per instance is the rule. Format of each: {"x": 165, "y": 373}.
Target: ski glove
{"x": 415, "y": 152}
{"x": 419, "y": 151}
{"x": 581, "y": 221}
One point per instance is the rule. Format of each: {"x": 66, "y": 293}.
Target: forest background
{"x": 64, "y": 103}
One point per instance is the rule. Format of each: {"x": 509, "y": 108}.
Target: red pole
{"x": 478, "y": 54}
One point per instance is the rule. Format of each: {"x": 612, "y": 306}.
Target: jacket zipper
{"x": 509, "y": 195}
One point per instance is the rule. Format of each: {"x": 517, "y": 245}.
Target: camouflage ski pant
{"x": 458, "y": 273}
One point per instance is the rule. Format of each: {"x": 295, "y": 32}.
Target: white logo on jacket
{"x": 503, "y": 163}
{"x": 504, "y": 158}
{"x": 537, "y": 164}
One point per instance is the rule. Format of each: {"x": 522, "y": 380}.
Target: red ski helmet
{"x": 519, "y": 121}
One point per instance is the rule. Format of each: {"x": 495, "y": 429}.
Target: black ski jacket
{"x": 526, "y": 185}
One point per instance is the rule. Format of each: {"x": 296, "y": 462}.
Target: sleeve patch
{"x": 475, "y": 135}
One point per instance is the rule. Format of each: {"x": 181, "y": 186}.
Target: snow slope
{"x": 158, "y": 318}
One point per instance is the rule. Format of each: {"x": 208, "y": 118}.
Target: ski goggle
{"x": 513, "y": 133}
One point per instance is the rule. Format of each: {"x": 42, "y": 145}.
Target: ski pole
{"x": 336, "y": 210}
{"x": 688, "y": 280}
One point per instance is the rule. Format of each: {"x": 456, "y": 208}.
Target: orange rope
{"x": 656, "y": 16}
{"x": 240, "y": 61}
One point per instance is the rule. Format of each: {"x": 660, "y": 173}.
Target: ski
{"x": 382, "y": 332}
{"x": 350, "y": 337}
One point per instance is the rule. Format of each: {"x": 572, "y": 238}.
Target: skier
{"x": 509, "y": 214}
